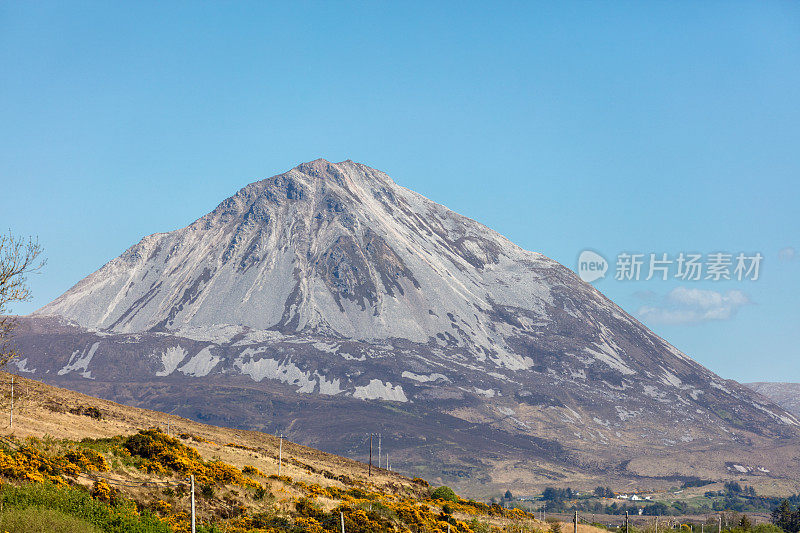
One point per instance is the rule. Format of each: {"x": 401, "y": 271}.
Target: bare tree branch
{"x": 18, "y": 258}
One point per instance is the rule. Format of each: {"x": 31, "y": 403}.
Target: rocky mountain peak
{"x": 327, "y": 247}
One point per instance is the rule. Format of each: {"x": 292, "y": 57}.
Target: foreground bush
{"x": 36, "y": 520}
{"x": 77, "y": 504}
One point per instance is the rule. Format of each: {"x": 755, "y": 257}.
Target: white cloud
{"x": 787, "y": 254}
{"x": 691, "y": 306}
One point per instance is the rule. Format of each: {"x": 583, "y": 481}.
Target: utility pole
{"x": 11, "y": 417}
{"x": 576, "y": 521}
{"x": 280, "y": 454}
{"x": 341, "y": 513}
{"x": 370, "y": 454}
{"x": 627, "y": 530}
{"x": 720, "y": 524}
{"x": 191, "y": 481}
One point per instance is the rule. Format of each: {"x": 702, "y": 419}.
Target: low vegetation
{"x": 45, "y": 506}
{"x": 140, "y": 483}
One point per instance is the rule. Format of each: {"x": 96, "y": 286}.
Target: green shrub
{"x": 766, "y": 528}
{"x": 444, "y": 493}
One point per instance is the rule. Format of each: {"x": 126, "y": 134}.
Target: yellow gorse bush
{"x": 102, "y": 491}
{"x": 309, "y": 525}
{"x": 253, "y": 471}
{"x": 33, "y": 465}
{"x": 87, "y": 459}
{"x": 162, "y": 454}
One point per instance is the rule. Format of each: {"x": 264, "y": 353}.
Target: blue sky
{"x": 660, "y": 127}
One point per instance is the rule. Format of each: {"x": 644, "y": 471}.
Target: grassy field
{"x": 38, "y": 520}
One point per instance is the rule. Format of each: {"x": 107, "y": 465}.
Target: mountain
{"x": 787, "y": 395}
{"x": 328, "y": 302}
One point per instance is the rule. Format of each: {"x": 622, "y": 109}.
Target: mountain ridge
{"x": 784, "y": 394}
{"x": 248, "y": 203}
